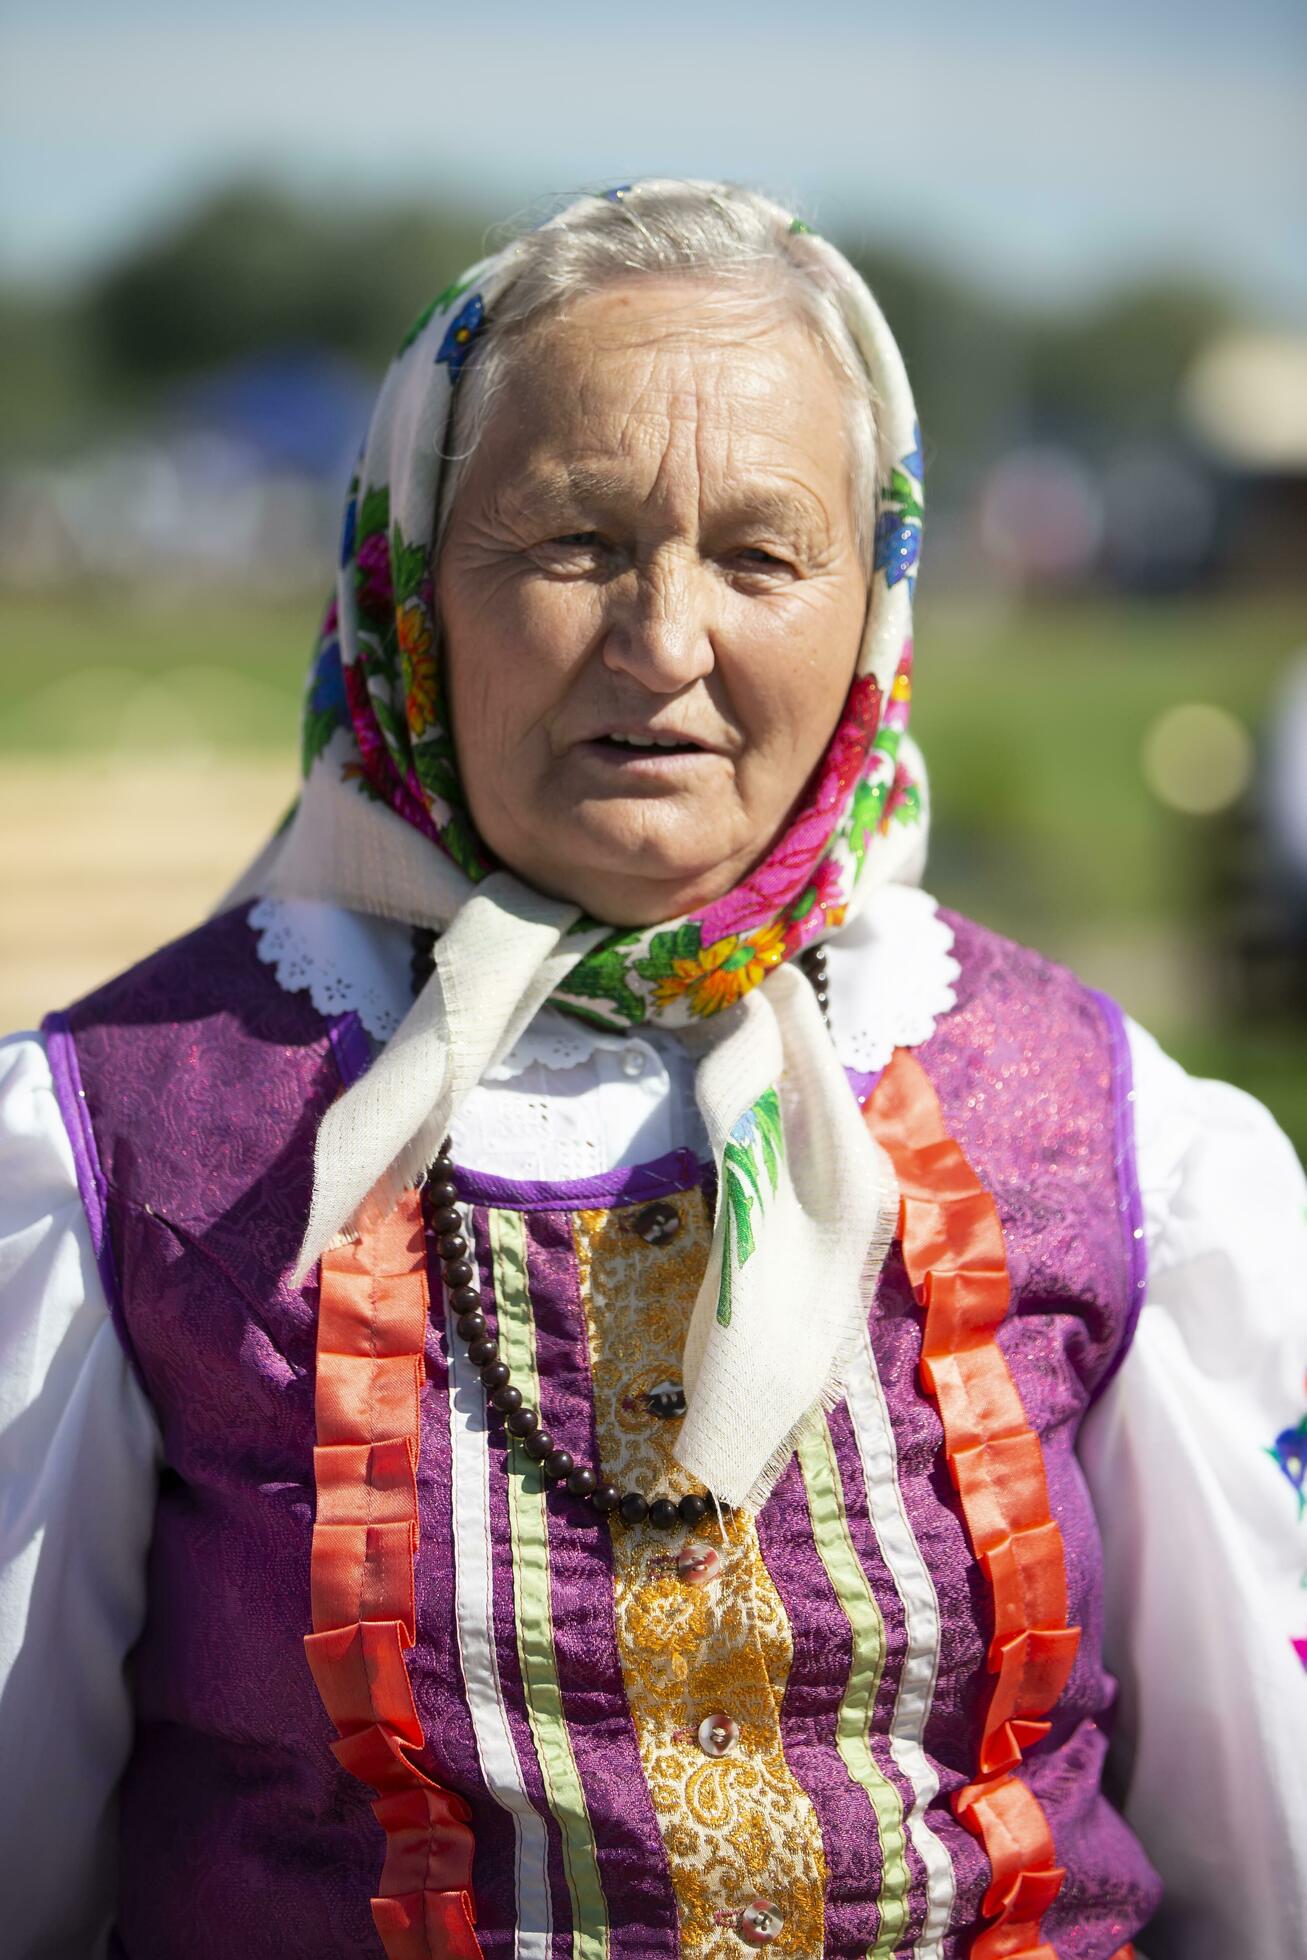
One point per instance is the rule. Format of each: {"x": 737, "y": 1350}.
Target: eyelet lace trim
{"x": 345, "y": 963}
{"x": 892, "y": 975}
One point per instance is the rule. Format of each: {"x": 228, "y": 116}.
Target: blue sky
{"x": 1050, "y": 147}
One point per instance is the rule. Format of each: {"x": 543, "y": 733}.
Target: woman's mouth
{"x": 636, "y": 756}
{"x": 647, "y": 745}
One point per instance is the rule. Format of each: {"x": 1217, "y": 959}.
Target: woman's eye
{"x": 756, "y": 557}
{"x": 573, "y": 551}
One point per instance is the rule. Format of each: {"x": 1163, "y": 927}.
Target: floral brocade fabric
{"x": 376, "y": 711}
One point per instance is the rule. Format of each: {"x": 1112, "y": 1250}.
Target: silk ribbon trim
{"x": 372, "y": 1317}
{"x": 957, "y": 1266}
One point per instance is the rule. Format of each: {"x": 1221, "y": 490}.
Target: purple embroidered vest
{"x": 643, "y": 1754}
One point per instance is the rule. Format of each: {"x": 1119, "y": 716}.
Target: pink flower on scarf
{"x": 782, "y": 875}
{"x": 376, "y": 595}
{"x": 821, "y": 905}
{"x": 373, "y": 754}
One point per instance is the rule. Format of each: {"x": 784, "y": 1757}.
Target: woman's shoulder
{"x": 187, "y": 978}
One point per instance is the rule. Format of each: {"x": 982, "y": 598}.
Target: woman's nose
{"x": 661, "y": 626}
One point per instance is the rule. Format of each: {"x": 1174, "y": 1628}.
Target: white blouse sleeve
{"x": 79, "y": 1455}
{"x": 1195, "y": 1461}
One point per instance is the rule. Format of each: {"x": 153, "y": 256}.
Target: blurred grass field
{"x": 145, "y": 750}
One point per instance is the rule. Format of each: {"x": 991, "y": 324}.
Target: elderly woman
{"x": 557, "y": 1327}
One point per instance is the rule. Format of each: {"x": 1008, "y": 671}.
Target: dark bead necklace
{"x": 461, "y": 1284}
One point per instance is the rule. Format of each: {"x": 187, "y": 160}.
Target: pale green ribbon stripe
{"x": 844, "y": 1569}
{"x": 532, "y": 1607}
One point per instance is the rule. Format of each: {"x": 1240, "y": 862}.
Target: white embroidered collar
{"x": 891, "y": 979}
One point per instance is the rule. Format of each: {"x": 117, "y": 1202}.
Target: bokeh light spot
{"x": 1197, "y": 758}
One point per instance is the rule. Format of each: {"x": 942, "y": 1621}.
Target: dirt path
{"x": 103, "y": 863}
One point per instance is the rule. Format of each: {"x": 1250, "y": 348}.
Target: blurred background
{"x": 1085, "y": 225}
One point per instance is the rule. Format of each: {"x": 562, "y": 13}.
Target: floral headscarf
{"x": 376, "y": 699}
{"x": 806, "y": 1201}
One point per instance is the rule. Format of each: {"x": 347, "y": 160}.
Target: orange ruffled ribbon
{"x": 372, "y": 1318}
{"x": 953, "y": 1251}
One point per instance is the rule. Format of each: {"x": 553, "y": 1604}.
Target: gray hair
{"x": 720, "y": 232}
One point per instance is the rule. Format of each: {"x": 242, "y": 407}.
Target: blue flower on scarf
{"x": 898, "y": 545}
{"x": 1289, "y": 1451}
{"x": 350, "y": 527}
{"x": 327, "y": 695}
{"x": 898, "y": 527}
{"x": 459, "y": 335}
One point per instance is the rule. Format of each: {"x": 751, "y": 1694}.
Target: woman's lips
{"x": 631, "y": 758}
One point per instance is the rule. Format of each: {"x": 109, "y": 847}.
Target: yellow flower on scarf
{"x": 722, "y": 973}
{"x": 415, "y": 643}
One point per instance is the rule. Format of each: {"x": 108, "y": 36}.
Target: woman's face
{"x": 651, "y": 595}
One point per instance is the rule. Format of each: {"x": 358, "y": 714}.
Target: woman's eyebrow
{"x": 567, "y": 489}
{"x": 579, "y": 486}
{"x": 790, "y": 510}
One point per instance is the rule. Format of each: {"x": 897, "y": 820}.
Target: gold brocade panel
{"x": 701, "y": 1631}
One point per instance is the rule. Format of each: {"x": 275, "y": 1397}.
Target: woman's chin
{"x": 633, "y": 885}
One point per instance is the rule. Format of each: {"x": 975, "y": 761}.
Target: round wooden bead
{"x": 581, "y": 1482}
{"x": 605, "y": 1498}
{"x": 507, "y": 1398}
{"x": 446, "y": 1219}
{"x": 471, "y": 1326}
{"x": 495, "y": 1376}
{"x": 523, "y": 1421}
{"x": 465, "y": 1299}
{"x": 663, "y": 1512}
{"x": 452, "y": 1246}
{"x": 443, "y": 1193}
{"x": 558, "y": 1464}
{"x": 538, "y": 1445}
{"x": 483, "y": 1352}
{"x": 634, "y": 1507}
{"x": 458, "y": 1273}
{"x": 692, "y": 1509}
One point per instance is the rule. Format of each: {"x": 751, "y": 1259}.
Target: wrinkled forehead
{"x": 641, "y": 382}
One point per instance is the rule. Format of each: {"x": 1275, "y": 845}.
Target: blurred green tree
{"x": 255, "y": 268}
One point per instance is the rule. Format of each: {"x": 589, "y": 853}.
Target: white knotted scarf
{"x": 799, "y": 1300}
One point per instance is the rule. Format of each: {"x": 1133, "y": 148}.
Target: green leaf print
{"x": 459, "y": 839}
{"x": 436, "y": 769}
{"x": 751, "y": 1168}
{"x": 440, "y": 304}
{"x": 665, "y": 948}
{"x": 374, "y": 512}
{"x": 320, "y": 724}
{"x": 379, "y": 653}
{"x": 863, "y": 818}
{"x": 603, "y": 975}
{"x": 409, "y": 565}
{"x": 908, "y": 808}
{"x": 902, "y": 494}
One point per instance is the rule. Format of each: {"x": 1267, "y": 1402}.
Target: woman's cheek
{"x": 557, "y": 619}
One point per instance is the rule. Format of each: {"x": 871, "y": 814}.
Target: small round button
{"x": 718, "y": 1734}
{"x": 633, "y": 1059}
{"x": 759, "y": 1924}
{"x": 667, "y": 1400}
{"x": 657, "y": 1223}
{"x": 697, "y": 1564}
